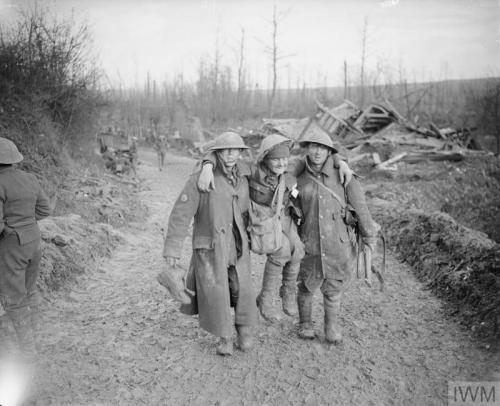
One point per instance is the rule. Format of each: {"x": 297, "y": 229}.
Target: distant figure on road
{"x": 134, "y": 155}
{"x": 160, "y": 145}
{"x": 22, "y": 203}
{"x": 220, "y": 271}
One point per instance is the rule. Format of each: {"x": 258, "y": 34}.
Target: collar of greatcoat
{"x": 327, "y": 168}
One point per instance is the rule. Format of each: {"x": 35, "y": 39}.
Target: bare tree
{"x": 345, "y": 80}
{"x": 363, "y": 60}
{"x": 241, "y": 69}
{"x": 215, "y": 77}
{"x": 276, "y": 55}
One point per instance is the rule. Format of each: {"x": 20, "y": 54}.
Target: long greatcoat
{"x": 215, "y": 214}
{"x": 330, "y": 244}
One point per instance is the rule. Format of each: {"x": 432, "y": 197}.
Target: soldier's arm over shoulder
{"x": 296, "y": 166}
{"x": 181, "y": 217}
{"x": 337, "y": 158}
{"x": 357, "y": 200}
{"x": 209, "y": 158}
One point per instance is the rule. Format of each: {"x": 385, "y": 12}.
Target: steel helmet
{"x": 227, "y": 140}
{"x": 9, "y": 154}
{"x": 318, "y": 136}
{"x": 269, "y": 142}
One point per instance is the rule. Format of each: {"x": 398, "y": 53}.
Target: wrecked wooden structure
{"x": 378, "y": 133}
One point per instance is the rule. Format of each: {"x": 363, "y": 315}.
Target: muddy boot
{"x": 304, "y": 302}
{"x": 225, "y": 346}
{"x": 245, "y": 337}
{"x": 288, "y": 290}
{"x": 333, "y": 332}
{"x": 21, "y": 321}
{"x": 265, "y": 298}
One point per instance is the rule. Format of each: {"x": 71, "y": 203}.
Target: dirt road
{"x": 118, "y": 338}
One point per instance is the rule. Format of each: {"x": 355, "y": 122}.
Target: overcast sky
{"x": 429, "y": 39}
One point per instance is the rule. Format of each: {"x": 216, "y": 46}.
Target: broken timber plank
{"x": 359, "y": 157}
{"x": 434, "y": 156}
{"x": 437, "y": 131}
{"x": 386, "y": 164}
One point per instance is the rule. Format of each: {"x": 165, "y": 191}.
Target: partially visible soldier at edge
{"x": 271, "y": 164}
{"x": 219, "y": 271}
{"x": 330, "y": 241}
{"x": 22, "y": 204}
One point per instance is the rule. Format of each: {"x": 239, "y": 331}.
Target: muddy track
{"x": 117, "y": 337}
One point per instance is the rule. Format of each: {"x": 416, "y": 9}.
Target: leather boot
{"x": 288, "y": 290}
{"x": 225, "y": 346}
{"x": 304, "y": 302}
{"x": 270, "y": 278}
{"x": 21, "y": 320}
{"x": 333, "y": 332}
{"x": 245, "y": 337}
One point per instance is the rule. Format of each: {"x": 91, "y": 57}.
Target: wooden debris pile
{"x": 119, "y": 157}
{"x": 378, "y": 134}
{"x": 381, "y": 136}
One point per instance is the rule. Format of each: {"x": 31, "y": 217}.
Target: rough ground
{"x": 117, "y": 337}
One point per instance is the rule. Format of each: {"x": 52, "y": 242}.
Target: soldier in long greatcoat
{"x": 220, "y": 263}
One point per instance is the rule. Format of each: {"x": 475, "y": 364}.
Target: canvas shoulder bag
{"x": 265, "y": 223}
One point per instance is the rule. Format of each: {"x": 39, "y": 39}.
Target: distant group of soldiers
{"x": 314, "y": 203}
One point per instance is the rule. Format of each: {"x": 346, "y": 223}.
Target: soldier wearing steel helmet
{"x": 22, "y": 204}
{"x": 271, "y": 166}
{"x": 219, "y": 272}
{"x": 330, "y": 242}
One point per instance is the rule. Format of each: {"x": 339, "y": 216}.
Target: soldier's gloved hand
{"x": 171, "y": 277}
{"x": 206, "y": 178}
{"x": 345, "y": 173}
